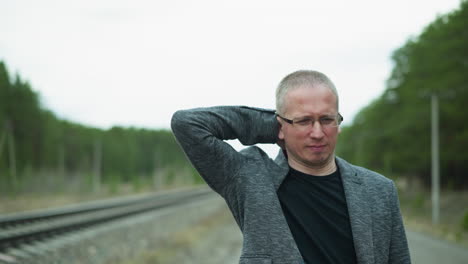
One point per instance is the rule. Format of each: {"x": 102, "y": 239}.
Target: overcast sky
{"x": 135, "y": 62}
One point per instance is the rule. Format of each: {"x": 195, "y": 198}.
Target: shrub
{"x": 464, "y": 222}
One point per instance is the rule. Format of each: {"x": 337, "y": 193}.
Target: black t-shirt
{"x": 317, "y": 214}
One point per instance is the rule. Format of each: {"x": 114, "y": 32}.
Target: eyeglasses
{"x": 304, "y": 123}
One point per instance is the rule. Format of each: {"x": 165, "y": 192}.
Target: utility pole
{"x": 2, "y": 141}
{"x": 435, "y": 158}
{"x": 97, "y": 166}
{"x": 158, "y": 171}
{"x": 11, "y": 152}
{"x": 8, "y": 136}
{"x": 61, "y": 161}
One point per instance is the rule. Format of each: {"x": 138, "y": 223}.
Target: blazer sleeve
{"x": 201, "y": 133}
{"x": 399, "y": 251}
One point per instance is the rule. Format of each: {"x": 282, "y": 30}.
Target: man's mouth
{"x": 316, "y": 147}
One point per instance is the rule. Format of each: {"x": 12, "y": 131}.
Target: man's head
{"x": 307, "y": 108}
{"x": 300, "y": 78}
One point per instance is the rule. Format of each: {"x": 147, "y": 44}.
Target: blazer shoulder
{"x": 366, "y": 175}
{"x": 256, "y": 153}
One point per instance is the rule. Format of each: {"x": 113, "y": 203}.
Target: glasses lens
{"x": 305, "y": 124}
{"x": 328, "y": 121}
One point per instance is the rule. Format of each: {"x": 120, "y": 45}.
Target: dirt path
{"x": 425, "y": 249}
{"x": 215, "y": 239}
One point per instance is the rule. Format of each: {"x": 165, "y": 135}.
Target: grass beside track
{"x": 416, "y": 208}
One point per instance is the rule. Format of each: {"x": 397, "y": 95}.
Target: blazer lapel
{"x": 279, "y": 174}
{"x": 282, "y": 169}
{"x": 360, "y": 213}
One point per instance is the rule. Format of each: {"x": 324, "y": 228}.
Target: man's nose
{"x": 316, "y": 130}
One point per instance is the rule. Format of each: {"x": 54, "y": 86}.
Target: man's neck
{"x": 319, "y": 170}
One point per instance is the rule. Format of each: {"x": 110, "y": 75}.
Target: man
{"x": 306, "y": 206}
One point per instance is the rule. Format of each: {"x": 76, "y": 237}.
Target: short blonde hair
{"x": 300, "y": 78}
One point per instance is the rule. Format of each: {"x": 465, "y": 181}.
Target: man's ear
{"x": 280, "y": 141}
{"x": 280, "y": 131}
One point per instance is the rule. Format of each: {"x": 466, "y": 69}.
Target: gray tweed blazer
{"x": 248, "y": 181}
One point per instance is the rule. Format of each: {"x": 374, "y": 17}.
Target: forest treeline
{"x": 34, "y": 141}
{"x": 393, "y": 133}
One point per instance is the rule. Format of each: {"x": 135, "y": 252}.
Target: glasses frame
{"x": 292, "y": 122}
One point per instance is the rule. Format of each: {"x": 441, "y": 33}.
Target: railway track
{"x": 17, "y": 230}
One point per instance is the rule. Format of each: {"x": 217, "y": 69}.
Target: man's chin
{"x": 319, "y": 161}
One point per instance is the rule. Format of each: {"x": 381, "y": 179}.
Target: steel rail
{"x": 43, "y": 225}
{"x": 19, "y": 218}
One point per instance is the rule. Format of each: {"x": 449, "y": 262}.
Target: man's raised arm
{"x": 201, "y": 133}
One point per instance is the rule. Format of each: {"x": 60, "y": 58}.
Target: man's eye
{"x": 327, "y": 120}
{"x": 303, "y": 122}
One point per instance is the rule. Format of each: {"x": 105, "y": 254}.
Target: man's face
{"x": 313, "y": 146}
